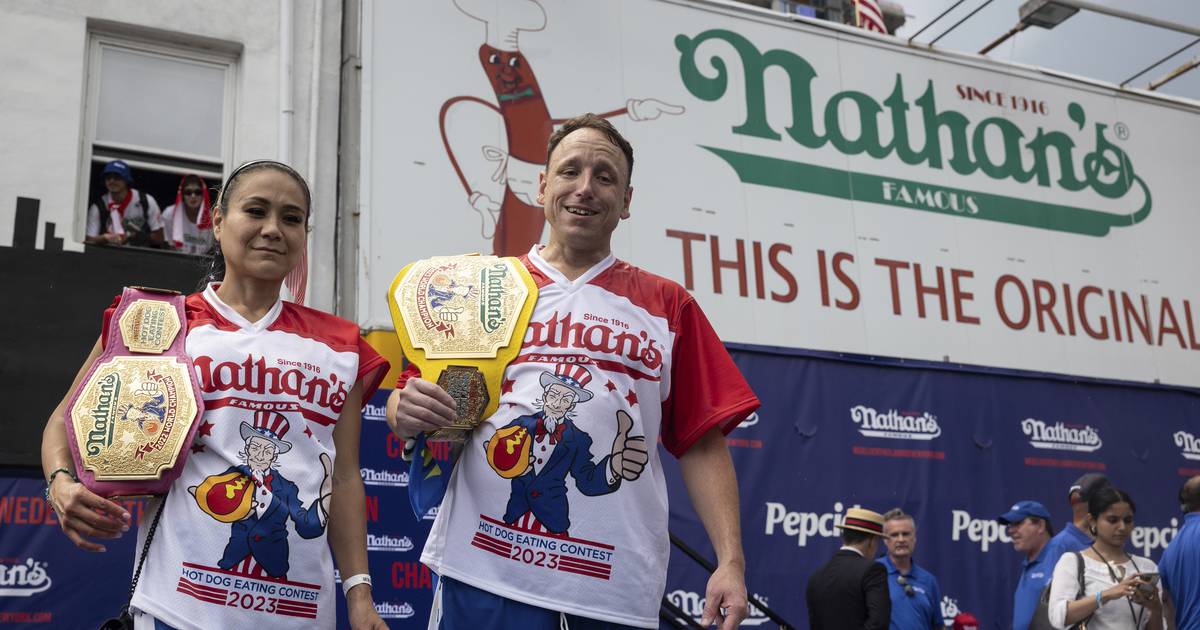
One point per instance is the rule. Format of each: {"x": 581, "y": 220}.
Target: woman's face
{"x": 1114, "y": 525}
{"x": 193, "y": 194}
{"x": 262, "y": 227}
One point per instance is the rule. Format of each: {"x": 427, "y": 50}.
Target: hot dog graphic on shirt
{"x": 514, "y": 222}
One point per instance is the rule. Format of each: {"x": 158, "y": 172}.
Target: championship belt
{"x": 462, "y": 320}
{"x": 131, "y": 422}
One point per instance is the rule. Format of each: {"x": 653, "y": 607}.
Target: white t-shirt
{"x": 195, "y": 241}
{"x": 566, "y": 533}
{"x": 281, "y": 381}
{"x": 133, "y": 219}
{"x": 1113, "y": 615}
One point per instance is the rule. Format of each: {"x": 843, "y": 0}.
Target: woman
{"x": 259, "y": 361}
{"x": 188, "y": 222}
{"x": 1114, "y": 593}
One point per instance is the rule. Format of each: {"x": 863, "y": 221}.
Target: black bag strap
{"x": 137, "y": 573}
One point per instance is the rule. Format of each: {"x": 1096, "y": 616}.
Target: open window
{"x": 162, "y": 102}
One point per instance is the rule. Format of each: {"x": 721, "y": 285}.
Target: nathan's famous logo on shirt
{"x": 390, "y": 610}
{"x": 372, "y": 477}
{"x": 22, "y": 579}
{"x": 255, "y": 376}
{"x": 1189, "y": 445}
{"x": 1012, "y": 158}
{"x": 895, "y": 425}
{"x": 596, "y": 334}
{"x": 692, "y": 605}
{"x": 384, "y": 542}
{"x": 803, "y": 525}
{"x": 1061, "y": 437}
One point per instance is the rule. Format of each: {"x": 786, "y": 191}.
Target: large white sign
{"x": 814, "y": 187}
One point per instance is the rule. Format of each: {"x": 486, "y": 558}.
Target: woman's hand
{"x": 1147, "y": 597}
{"x": 1124, "y": 588}
{"x": 83, "y": 514}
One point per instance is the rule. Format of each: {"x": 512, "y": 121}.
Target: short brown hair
{"x": 592, "y": 121}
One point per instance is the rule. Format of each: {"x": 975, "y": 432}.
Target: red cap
{"x": 965, "y": 621}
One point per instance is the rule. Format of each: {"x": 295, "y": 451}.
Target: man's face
{"x": 115, "y": 185}
{"x": 900, "y": 535}
{"x": 585, "y": 191}
{"x": 557, "y": 400}
{"x": 1026, "y": 534}
{"x": 260, "y": 453}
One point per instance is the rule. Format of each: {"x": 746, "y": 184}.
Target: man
{"x": 916, "y": 597}
{"x": 1180, "y": 564}
{"x": 123, "y": 215}
{"x": 1029, "y": 527}
{"x": 851, "y": 590}
{"x": 1075, "y": 535}
{"x": 657, "y": 371}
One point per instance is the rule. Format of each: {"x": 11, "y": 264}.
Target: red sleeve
{"x": 108, "y": 314}
{"x": 707, "y": 389}
{"x": 410, "y": 371}
{"x": 371, "y": 369}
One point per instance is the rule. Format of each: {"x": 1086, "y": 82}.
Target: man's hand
{"x": 629, "y": 455}
{"x": 420, "y": 406}
{"x": 725, "y": 598}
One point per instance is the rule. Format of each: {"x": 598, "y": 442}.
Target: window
{"x": 164, "y": 107}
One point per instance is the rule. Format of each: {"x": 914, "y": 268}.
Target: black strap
{"x": 146, "y": 547}
{"x": 1137, "y": 617}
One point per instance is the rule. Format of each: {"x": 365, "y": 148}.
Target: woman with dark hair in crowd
{"x": 217, "y": 563}
{"x": 1120, "y": 590}
{"x": 188, "y": 222}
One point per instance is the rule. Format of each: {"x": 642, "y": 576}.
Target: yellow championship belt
{"x": 462, "y": 320}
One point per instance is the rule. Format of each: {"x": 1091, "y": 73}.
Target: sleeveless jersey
{"x": 535, "y": 510}
{"x": 241, "y": 541}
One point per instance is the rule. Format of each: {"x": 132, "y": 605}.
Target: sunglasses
{"x": 192, "y": 191}
{"x": 903, "y": 581}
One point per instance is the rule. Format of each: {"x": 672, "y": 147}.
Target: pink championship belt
{"x": 131, "y": 423}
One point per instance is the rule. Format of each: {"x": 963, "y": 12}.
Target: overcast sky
{"x": 1088, "y": 44}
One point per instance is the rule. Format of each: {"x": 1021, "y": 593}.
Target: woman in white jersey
{"x": 283, "y": 387}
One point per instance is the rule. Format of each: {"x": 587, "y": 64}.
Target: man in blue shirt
{"x": 1029, "y": 527}
{"x": 1074, "y": 535}
{"x": 916, "y": 597}
{"x": 1180, "y": 564}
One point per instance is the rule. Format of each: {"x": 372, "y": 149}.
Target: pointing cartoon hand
{"x": 650, "y": 108}
{"x": 326, "y": 484}
{"x": 628, "y": 453}
{"x": 449, "y": 313}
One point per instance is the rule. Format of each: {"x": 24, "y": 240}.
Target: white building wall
{"x": 43, "y": 49}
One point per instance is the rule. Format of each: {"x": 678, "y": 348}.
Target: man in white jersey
{"x": 614, "y": 358}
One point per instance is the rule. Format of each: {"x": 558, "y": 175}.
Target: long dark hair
{"x": 1107, "y": 497}
{"x": 216, "y": 259}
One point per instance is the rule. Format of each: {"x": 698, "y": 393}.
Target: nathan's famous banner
{"x": 815, "y": 187}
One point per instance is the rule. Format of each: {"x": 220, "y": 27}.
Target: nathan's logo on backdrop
{"x": 1047, "y": 157}
{"x": 692, "y": 605}
{"x": 803, "y": 525}
{"x": 388, "y": 543}
{"x": 372, "y": 477}
{"x": 431, "y": 514}
{"x": 750, "y": 421}
{"x": 23, "y": 579}
{"x": 896, "y": 425}
{"x": 984, "y": 531}
{"x": 1061, "y": 437}
{"x": 374, "y": 412}
{"x": 1189, "y": 445}
{"x": 389, "y": 610}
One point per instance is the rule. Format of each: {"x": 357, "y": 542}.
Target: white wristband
{"x": 355, "y": 580}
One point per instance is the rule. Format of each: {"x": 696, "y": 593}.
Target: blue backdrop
{"x": 953, "y": 447}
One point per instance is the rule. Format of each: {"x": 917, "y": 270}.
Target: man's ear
{"x": 541, "y": 196}
{"x": 628, "y": 200}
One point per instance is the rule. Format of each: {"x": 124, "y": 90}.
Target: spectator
{"x": 1029, "y": 527}
{"x": 965, "y": 621}
{"x": 850, "y": 591}
{"x": 123, "y": 215}
{"x": 916, "y": 597}
{"x": 1114, "y": 594}
{"x": 1180, "y": 564}
{"x": 1074, "y": 535}
{"x": 189, "y": 230}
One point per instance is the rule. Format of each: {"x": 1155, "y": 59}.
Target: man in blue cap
{"x": 1029, "y": 527}
{"x": 123, "y": 215}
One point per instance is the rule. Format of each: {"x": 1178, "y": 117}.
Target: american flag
{"x": 869, "y": 16}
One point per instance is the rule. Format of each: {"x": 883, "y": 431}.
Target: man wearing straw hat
{"x": 851, "y": 591}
